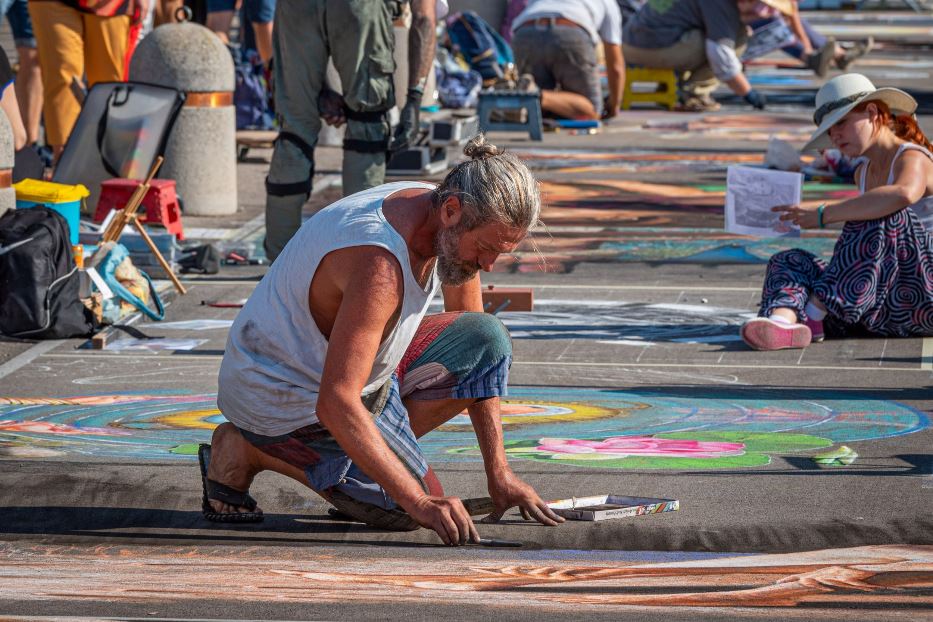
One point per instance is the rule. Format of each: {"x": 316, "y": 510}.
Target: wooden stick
{"x": 155, "y": 251}
{"x": 120, "y": 220}
{"x": 128, "y": 214}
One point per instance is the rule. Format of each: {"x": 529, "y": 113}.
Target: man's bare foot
{"x": 232, "y": 464}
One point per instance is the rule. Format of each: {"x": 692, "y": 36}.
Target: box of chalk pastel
{"x": 604, "y": 507}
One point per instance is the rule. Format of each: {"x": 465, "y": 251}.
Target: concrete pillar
{"x": 201, "y": 151}
{"x": 7, "y": 194}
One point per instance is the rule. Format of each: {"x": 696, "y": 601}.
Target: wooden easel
{"x": 128, "y": 215}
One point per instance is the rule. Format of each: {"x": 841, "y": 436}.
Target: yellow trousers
{"x": 73, "y": 44}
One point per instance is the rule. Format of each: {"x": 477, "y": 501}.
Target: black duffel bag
{"x": 39, "y": 281}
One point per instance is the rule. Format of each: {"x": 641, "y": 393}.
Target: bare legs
{"x": 263, "y": 34}
{"x": 786, "y": 314}
{"x": 219, "y": 22}
{"x": 29, "y": 91}
{"x": 235, "y": 461}
{"x": 791, "y": 316}
{"x": 568, "y": 105}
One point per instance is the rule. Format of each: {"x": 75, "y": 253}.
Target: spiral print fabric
{"x": 879, "y": 281}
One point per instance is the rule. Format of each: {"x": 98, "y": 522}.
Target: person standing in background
{"x": 29, "y": 76}
{"x": 360, "y": 39}
{"x": 258, "y": 13}
{"x": 9, "y": 104}
{"x": 75, "y": 38}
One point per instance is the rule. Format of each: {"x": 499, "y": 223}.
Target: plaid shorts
{"x": 457, "y": 355}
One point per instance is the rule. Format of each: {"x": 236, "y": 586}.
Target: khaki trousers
{"x": 687, "y": 56}
{"x": 71, "y": 44}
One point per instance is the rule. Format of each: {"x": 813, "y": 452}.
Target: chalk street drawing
{"x": 621, "y": 321}
{"x": 829, "y": 584}
{"x": 627, "y": 220}
{"x": 203, "y": 324}
{"x": 629, "y": 323}
{"x": 154, "y": 345}
{"x": 571, "y": 427}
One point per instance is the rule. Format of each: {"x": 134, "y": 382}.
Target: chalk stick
{"x": 493, "y": 543}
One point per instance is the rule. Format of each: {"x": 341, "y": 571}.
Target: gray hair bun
{"x": 478, "y": 149}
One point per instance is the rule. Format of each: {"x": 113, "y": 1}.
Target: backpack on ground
{"x": 39, "y": 281}
{"x": 250, "y": 93}
{"x": 480, "y": 46}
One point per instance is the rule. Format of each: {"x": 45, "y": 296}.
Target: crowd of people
{"x": 64, "y": 47}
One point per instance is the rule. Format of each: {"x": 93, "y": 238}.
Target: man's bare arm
{"x": 615, "y": 74}
{"x": 422, "y": 41}
{"x": 371, "y": 281}
{"x": 506, "y": 489}
{"x": 466, "y": 297}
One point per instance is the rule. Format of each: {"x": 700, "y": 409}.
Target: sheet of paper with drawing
{"x": 750, "y": 195}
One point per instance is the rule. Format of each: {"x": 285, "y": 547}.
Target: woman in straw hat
{"x": 880, "y": 279}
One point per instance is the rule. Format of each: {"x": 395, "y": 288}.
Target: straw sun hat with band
{"x": 784, "y": 6}
{"x": 840, "y": 95}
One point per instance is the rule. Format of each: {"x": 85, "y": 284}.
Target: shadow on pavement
{"x": 132, "y": 524}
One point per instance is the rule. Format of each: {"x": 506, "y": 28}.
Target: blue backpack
{"x": 480, "y": 46}
{"x": 250, "y": 96}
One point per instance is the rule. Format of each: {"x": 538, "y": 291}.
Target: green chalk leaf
{"x": 187, "y": 449}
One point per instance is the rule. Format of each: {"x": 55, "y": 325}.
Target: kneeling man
{"x": 332, "y": 370}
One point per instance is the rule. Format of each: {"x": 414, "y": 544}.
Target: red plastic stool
{"x": 160, "y": 203}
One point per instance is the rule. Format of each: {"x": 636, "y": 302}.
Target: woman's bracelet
{"x": 819, "y": 215}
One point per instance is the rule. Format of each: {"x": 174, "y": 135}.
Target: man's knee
{"x": 487, "y": 332}
{"x": 367, "y": 132}
{"x": 365, "y": 146}
{"x": 292, "y": 167}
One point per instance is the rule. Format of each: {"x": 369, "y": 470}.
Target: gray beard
{"x": 450, "y": 269}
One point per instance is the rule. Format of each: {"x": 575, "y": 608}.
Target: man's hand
{"x": 756, "y": 99}
{"x": 609, "y": 111}
{"x": 446, "y": 516}
{"x": 800, "y": 216}
{"x": 408, "y": 125}
{"x": 332, "y": 108}
{"x": 508, "y": 491}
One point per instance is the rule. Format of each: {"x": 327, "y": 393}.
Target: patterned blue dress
{"x": 879, "y": 281}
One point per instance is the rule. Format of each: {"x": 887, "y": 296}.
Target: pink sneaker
{"x": 816, "y": 330}
{"x": 766, "y": 334}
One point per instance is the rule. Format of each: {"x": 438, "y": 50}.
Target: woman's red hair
{"x": 904, "y": 126}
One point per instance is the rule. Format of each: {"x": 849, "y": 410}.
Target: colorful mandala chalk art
{"x": 608, "y": 429}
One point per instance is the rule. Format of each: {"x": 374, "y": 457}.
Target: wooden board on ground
{"x": 254, "y": 139}
{"x": 496, "y": 299}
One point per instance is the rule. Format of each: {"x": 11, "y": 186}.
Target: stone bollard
{"x": 201, "y": 151}
{"x": 7, "y": 193}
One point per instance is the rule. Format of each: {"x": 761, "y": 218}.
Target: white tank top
{"x": 271, "y": 371}
{"x": 922, "y": 208}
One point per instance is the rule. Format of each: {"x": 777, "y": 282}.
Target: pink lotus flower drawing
{"x": 617, "y": 447}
